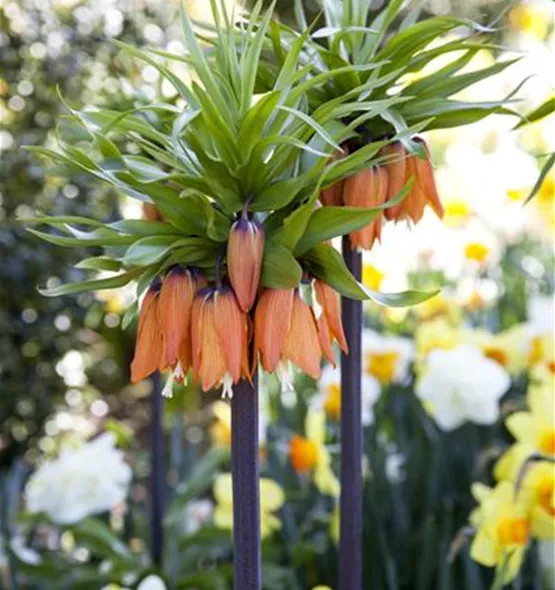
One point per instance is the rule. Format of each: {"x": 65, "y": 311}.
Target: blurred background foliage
{"x": 63, "y": 361}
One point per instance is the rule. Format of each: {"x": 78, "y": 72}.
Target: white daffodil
{"x": 461, "y": 385}
{"x": 89, "y": 480}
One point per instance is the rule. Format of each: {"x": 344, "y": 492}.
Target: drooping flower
{"x": 309, "y": 454}
{"x": 330, "y": 326}
{"x": 272, "y": 498}
{"x": 462, "y": 385}
{"x": 149, "y": 347}
{"x": 502, "y": 529}
{"x": 245, "y": 249}
{"x": 79, "y": 483}
{"x": 400, "y": 168}
{"x": 219, "y": 335}
{"x": 285, "y": 329}
{"x": 366, "y": 189}
{"x": 177, "y": 294}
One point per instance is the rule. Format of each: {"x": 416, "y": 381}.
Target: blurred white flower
{"x": 89, "y": 480}
{"x": 541, "y": 313}
{"x": 386, "y": 358}
{"x": 197, "y": 514}
{"x": 151, "y": 582}
{"x": 461, "y": 385}
{"x": 328, "y": 397}
{"x": 24, "y": 553}
{"x": 394, "y": 467}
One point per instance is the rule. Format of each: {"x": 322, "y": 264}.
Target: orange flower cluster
{"x": 185, "y": 324}
{"x": 375, "y": 186}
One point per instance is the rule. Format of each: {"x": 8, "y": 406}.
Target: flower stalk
{"x": 350, "y": 531}
{"x": 157, "y": 472}
{"x": 246, "y": 494}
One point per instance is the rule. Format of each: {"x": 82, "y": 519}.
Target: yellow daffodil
{"x": 372, "y": 277}
{"x": 309, "y": 455}
{"x": 272, "y": 498}
{"x": 502, "y": 528}
{"x": 536, "y": 428}
{"x": 509, "y": 348}
{"x": 386, "y": 358}
{"x": 436, "y": 307}
{"x": 321, "y": 588}
{"x": 438, "y": 333}
{"x": 536, "y": 487}
{"x": 530, "y": 18}
{"x": 457, "y": 212}
{"x": 477, "y": 252}
{"x": 220, "y": 430}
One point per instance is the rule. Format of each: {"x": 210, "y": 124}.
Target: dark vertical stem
{"x": 246, "y": 495}
{"x": 350, "y": 535}
{"x": 157, "y": 472}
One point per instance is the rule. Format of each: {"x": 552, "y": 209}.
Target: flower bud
{"x": 245, "y": 249}
{"x": 150, "y": 212}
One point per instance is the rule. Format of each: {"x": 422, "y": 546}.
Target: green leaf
{"x": 255, "y": 120}
{"x": 93, "y": 285}
{"x": 294, "y": 226}
{"x": 100, "y": 539}
{"x": 312, "y": 123}
{"x": 541, "y": 178}
{"x": 149, "y": 250}
{"x": 329, "y": 222}
{"x": 199, "y": 481}
{"x": 325, "y": 263}
{"x": 143, "y": 227}
{"x": 538, "y": 113}
{"x": 280, "y": 270}
{"x": 129, "y": 315}
{"x": 99, "y": 263}
{"x": 278, "y": 194}
{"x": 143, "y": 169}
{"x": 93, "y": 239}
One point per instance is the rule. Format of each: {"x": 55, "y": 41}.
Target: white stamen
{"x": 168, "y": 387}
{"x": 227, "y": 386}
{"x": 179, "y": 374}
{"x": 283, "y": 372}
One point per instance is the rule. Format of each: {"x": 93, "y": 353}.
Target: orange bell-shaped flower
{"x": 423, "y": 192}
{"x": 285, "y": 329}
{"x": 149, "y": 347}
{"x": 330, "y": 326}
{"x": 219, "y": 335}
{"x": 245, "y": 249}
{"x": 332, "y": 196}
{"x": 177, "y": 294}
{"x": 367, "y": 189}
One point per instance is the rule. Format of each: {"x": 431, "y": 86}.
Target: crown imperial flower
{"x": 219, "y": 339}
